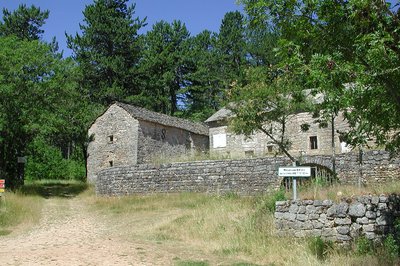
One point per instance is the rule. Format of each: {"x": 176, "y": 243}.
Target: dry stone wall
{"x": 369, "y": 216}
{"x": 247, "y": 176}
{"x": 239, "y": 176}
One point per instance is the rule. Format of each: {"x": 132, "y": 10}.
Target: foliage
{"x": 46, "y": 162}
{"x": 203, "y": 93}
{"x": 269, "y": 201}
{"x": 391, "y": 248}
{"x": 164, "y": 66}
{"x": 231, "y": 46}
{"x": 319, "y": 247}
{"x": 272, "y": 94}
{"x": 349, "y": 53}
{"x": 25, "y": 22}
{"x": 33, "y": 104}
{"x": 108, "y": 50}
{"x": 364, "y": 246}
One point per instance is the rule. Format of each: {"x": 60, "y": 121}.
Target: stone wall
{"x": 246, "y": 176}
{"x": 369, "y": 216}
{"x": 260, "y": 145}
{"x": 122, "y": 139}
{"x": 157, "y": 141}
{"x": 377, "y": 166}
{"x": 115, "y": 138}
{"x": 240, "y": 176}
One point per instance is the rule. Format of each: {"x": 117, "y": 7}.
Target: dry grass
{"x": 224, "y": 230}
{"x": 337, "y": 191}
{"x": 17, "y": 210}
{"x": 200, "y": 229}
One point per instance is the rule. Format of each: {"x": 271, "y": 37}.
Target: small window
{"x": 270, "y": 148}
{"x": 313, "y": 143}
{"x": 111, "y": 163}
{"x": 111, "y": 138}
{"x": 249, "y": 154}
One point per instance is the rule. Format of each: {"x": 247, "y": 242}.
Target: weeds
{"x": 320, "y": 248}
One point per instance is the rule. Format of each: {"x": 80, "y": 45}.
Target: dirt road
{"x": 68, "y": 234}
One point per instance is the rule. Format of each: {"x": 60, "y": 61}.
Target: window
{"x": 111, "y": 163}
{"x": 270, "y": 148}
{"x": 313, "y": 143}
{"x": 111, "y": 138}
{"x": 249, "y": 154}
{"x": 219, "y": 140}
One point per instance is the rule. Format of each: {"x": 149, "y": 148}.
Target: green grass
{"x": 54, "y": 188}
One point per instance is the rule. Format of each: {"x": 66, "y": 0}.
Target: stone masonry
{"x": 246, "y": 176}
{"x": 127, "y": 135}
{"x": 369, "y": 216}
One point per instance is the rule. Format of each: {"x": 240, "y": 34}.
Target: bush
{"x": 46, "y": 162}
{"x": 269, "y": 202}
{"x": 390, "y": 248}
{"x": 364, "y": 246}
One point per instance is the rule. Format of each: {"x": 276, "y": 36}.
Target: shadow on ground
{"x": 55, "y": 189}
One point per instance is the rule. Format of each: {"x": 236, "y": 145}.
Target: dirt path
{"x": 68, "y": 234}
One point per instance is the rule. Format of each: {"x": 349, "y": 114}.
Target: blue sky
{"x": 65, "y": 15}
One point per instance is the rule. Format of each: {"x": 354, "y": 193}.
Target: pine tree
{"x": 108, "y": 50}
{"x": 25, "y": 22}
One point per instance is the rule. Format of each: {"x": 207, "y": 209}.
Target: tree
{"x": 24, "y": 23}
{"x": 204, "y": 91}
{"x": 38, "y": 101}
{"x": 108, "y": 50}
{"x": 231, "y": 46}
{"x": 365, "y": 35}
{"x": 271, "y": 96}
{"x": 165, "y": 65}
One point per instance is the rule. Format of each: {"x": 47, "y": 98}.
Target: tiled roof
{"x": 221, "y": 114}
{"x": 166, "y": 120}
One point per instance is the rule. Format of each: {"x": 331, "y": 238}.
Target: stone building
{"x": 125, "y": 135}
{"x": 314, "y": 141}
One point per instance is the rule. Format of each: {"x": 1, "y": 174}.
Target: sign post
{"x": 294, "y": 172}
{"x": 2, "y": 186}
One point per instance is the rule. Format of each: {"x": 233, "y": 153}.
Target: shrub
{"x": 270, "y": 200}
{"x": 390, "y": 247}
{"x": 46, "y": 162}
{"x": 364, "y": 246}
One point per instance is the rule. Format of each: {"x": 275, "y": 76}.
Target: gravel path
{"x": 68, "y": 234}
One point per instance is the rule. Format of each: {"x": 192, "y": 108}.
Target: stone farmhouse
{"x": 315, "y": 141}
{"x": 127, "y": 135}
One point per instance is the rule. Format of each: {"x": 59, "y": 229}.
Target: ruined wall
{"x": 114, "y": 141}
{"x": 159, "y": 141}
{"x": 369, "y": 216}
{"x": 246, "y": 176}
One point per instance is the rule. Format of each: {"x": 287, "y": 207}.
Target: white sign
{"x": 304, "y": 171}
{"x": 219, "y": 140}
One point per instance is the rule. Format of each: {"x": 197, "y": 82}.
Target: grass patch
{"x": 336, "y": 192}
{"x": 54, "y": 188}
{"x": 17, "y": 209}
{"x": 191, "y": 263}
